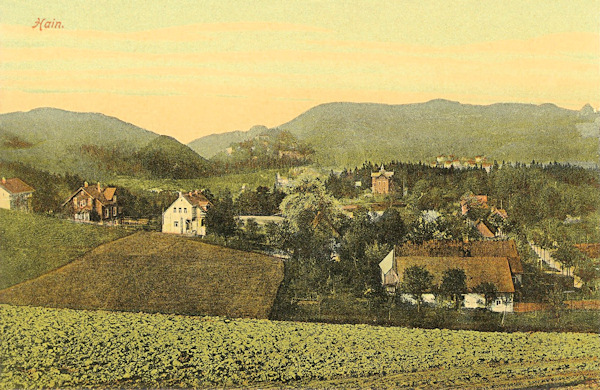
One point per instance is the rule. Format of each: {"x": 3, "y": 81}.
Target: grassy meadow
{"x": 156, "y": 272}
{"x": 31, "y": 245}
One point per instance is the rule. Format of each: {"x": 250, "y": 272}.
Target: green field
{"x": 31, "y": 245}
{"x": 232, "y": 183}
{"x": 156, "y": 272}
{"x": 66, "y": 348}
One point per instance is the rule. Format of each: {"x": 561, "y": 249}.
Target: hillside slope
{"x": 419, "y": 132}
{"x": 210, "y": 145}
{"x": 31, "y": 245}
{"x": 155, "y": 272}
{"x": 94, "y": 146}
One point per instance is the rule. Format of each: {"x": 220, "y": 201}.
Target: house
{"x": 187, "y": 215}
{"x": 478, "y": 270}
{"x": 15, "y": 194}
{"x": 93, "y": 203}
{"x": 469, "y": 202}
{"x": 381, "y": 181}
{"x": 483, "y": 249}
{"x": 499, "y": 212}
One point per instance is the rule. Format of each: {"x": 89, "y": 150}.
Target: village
{"x": 465, "y": 257}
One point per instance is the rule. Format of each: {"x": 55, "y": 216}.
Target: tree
{"x": 429, "y": 226}
{"x": 488, "y": 290}
{"x": 567, "y": 255}
{"x": 416, "y": 281}
{"x": 454, "y": 285}
{"x": 220, "y": 218}
{"x": 390, "y": 228}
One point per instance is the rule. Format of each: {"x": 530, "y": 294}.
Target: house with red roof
{"x": 187, "y": 215}
{"x": 93, "y": 203}
{"x": 15, "y": 194}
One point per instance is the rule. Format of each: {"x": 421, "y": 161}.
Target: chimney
{"x": 3, "y": 180}
{"x": 85, "y": 184}
{"x": 99, "y": 189}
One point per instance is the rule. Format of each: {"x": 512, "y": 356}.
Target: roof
{"x": 15, "y": 186}
{"x": 197, "y": 199}
{"x": 485, "y": 230}
{"x": 105, "y": 196}
{"x": 441, "y": 248}
{"x": 477, "y": 269}
{"x": 590, "y": 250}
{"x": 382, "y": 172}
{"x": 501, "y": 212}
{"x": 506, "y": 249}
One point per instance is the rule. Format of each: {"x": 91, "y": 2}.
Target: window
{"x": 82, "y": 203}
{"x": 176, "y": 223}
{"x": 180, "y": 210}
{"x": 114, "y": 211}
{"x": 498, "y": 302}
{"x": 185, "y": 210}
{"x": 106, "y": 213}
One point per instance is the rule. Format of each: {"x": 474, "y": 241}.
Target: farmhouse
{"x": 15, "y": 194}
{"x": 478, "y": 270}
{"x": 484, "y": 249}
{"x": 381, "y": 181}
{"x": 187, "y": 215}
{"x": 93, "y": 203}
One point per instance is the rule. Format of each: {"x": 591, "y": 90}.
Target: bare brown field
{"x": 154, "y": 272}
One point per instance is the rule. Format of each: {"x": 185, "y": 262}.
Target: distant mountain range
{"x": 94, "y": 146}
{"x": 347, "y": 134}
{"x": 99, "y": 147}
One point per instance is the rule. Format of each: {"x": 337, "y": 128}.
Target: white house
{"x": 187, "y": 215}
{"x": 15, "y": 194}
{"x": 477, "y": 270}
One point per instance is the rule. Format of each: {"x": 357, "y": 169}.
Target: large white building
{"x": 187, "y": 215}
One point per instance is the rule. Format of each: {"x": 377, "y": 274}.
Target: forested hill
{"x": 419, "y": 132}
{"x": 92, "y": 145}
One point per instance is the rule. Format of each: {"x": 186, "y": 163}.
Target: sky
{"x": 192, "y": 68}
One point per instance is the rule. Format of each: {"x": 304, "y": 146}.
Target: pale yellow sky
{"x": 192, "y": 68}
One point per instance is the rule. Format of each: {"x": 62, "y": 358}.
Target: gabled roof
{"x": 485, "y": 230}
{"x": 506, "y": 249}
{"x": 197, "y": 199}
{"x": 15, "y": 186}
{"x": 477, "y": 269}
{"x": 446, "y": 248}
{"x": 382, "y": 172}
{"x": 500, "y": 212}
{"x": 105, "y": 196}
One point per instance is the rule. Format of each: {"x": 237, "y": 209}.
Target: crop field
{"x": 31, "y": 245}
{"x": 64, "y": 348}
{"x": 156, "y": 272}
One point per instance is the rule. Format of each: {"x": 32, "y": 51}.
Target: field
{"x": 155, "y": 272}
{"x": 232, "y": 182}
{"x": 67, "y": 348}
{"x": 31, "y": 245}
